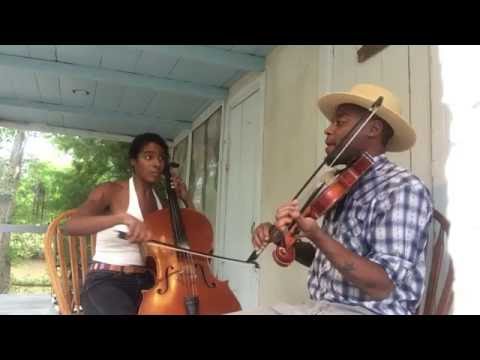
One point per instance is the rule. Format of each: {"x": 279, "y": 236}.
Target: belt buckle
{"x": 129, "y": 270}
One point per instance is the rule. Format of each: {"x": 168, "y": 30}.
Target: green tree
{"x": 6, "y": 136}
{"x": 46, "y": 190}
{"x": 8, "y": 186}
{"x": 39, "y": 198}
{"x": 94, "y": 161}
{"x": 40, "y": 195}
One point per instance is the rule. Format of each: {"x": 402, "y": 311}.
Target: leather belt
{"x": 127, "y": 269}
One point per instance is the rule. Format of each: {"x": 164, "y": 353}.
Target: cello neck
{"x": 174, "y": 209}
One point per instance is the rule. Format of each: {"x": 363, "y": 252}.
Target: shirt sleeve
{"x": 400, "y": 230}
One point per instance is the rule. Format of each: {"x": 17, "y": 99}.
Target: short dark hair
{"x": 143, "y": 139}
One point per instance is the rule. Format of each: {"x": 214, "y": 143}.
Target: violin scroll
{"x": 284, "y": 253}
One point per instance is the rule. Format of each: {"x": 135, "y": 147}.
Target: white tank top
{"x": 110, "y": 248}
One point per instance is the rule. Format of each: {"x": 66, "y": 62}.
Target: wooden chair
{"x": 67, "y": 260}
{"x": 440, "y": 259}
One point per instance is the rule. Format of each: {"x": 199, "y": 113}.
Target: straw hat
{"x": 364, "y": 95}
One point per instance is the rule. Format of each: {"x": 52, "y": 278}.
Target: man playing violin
{"x": 368, "y": 255}
{"x": 118, "y": 273}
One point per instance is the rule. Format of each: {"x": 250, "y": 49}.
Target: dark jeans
{"x": 113, "y": 293}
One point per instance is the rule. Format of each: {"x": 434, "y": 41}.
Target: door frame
{"x": 252, "y": 87}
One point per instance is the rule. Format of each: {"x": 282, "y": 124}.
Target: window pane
{"x": 180, "y": 156}
{"x": 212, "y": 149}
{"x": 204, "y": 166}
{"x": 197, "y": 167}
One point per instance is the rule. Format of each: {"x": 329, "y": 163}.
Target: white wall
{"x": 292, "y": 130}
{"x": 404, "y": 70}
{"x": 441, "y": 118}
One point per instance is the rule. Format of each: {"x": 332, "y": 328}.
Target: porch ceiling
{"x": 119, "y": 90}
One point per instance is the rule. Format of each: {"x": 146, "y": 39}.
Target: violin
{"x": 184, "y": 283}
{"x": 325, "y": 196}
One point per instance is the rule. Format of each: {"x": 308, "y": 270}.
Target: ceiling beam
{"x": 114, "y": 76}
{"x": 109, "y": 114}
{"x": 205, "y": 54}
{"x": 41, "y": 127}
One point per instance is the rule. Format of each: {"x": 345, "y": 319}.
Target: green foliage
{"x": 7, "y": 180}
{"x": 45, "y": 190}
{"x": 29, "y": 276}
{"x": 94, "y": 162}
{"x": 3, "y": 175}
{"x": 31, "y": 281}
{"x": 25, "y": 246}
{"x": 52, "y": 179}
{"x": 6, "y": 136}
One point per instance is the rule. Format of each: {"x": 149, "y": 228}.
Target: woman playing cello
{"x": 118, "y": 273}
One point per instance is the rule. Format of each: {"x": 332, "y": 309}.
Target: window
{"x": 203, "y": 165}
{"x": 180, "y": 156}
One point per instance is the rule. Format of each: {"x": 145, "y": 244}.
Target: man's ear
{"x": 376, "y": 128}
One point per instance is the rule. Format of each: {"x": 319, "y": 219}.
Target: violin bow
{"x": 336, "y": 153}
{"x": 123, "y": 235}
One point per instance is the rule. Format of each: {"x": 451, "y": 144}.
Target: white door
{"x": 241, "y": 194}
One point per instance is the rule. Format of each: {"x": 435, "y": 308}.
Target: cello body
{"x": 184, "y": 284}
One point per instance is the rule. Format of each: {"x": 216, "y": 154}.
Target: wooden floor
{"x": 35, "y": 304}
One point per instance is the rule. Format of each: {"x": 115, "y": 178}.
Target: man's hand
{"x": 261, "y": 236}
{"x": 285, "y": 215}
{"x": 290, "y": 212}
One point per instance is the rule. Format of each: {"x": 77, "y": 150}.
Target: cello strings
{"x": 183, "y": 258}
{"x": 193, "y": 274}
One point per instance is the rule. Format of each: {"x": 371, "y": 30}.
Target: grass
{"x": 29, "y": 277}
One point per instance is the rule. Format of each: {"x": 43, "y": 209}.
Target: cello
{"x": 184, "y": 283}
{"x": 325, "y": 196}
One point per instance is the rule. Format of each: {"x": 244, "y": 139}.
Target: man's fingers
{"x": 295, "y": 214}
{"x": 286, "y": 211}
{"x": 266, "y": 233}
{"x": 256, "y": 240}
{"x": 260, "y": 237}
{"x": 283, "y": 223}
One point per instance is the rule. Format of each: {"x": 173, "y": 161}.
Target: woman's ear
{"x": 132, "y": 164}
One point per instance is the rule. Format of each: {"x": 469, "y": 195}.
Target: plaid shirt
{"x": 385, "y": 218}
